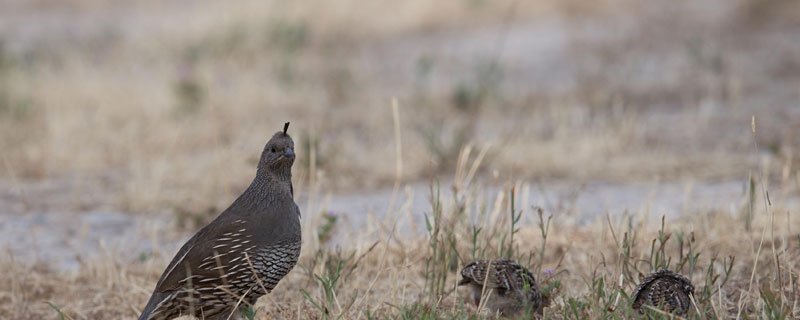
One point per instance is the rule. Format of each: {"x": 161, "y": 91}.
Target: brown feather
{"x": 665, "y": 289}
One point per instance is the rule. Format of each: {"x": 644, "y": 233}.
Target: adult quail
{"x": 243, "y": 253}
{"x": 513, "y": 288}
{"x": 665, "y": 289}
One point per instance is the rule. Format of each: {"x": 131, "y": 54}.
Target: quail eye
{"x": 272, "y": 150}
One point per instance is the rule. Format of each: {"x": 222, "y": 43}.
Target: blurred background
{"x": 116, "y": 114}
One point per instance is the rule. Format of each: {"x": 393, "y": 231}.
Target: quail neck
{"x": 275, "y": 165}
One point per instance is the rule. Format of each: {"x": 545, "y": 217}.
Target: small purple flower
{"x": 331, "y": 213}
{"x": 548, "y": 271}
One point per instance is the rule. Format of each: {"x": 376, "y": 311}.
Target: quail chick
{"x": 665, "y": 289}
{"x": 513, "y": 288}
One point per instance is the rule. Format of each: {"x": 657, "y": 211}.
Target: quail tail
{"x": 152, "y": 304}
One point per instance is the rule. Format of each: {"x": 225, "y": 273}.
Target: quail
{"x": 665, "y": 289}
{"x": 243, "y": 253}
{"x": 513, "y": 288}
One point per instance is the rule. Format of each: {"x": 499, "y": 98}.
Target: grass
{"x": 200, "y": 95}
{"x": 172, "y": 126}
{"x": 585, "y": 270}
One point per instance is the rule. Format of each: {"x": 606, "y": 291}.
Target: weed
{"x": 324, "y": 232}
{"x": 248, "y": 312}
{"x": 436, "y": 260}
{"x": 334, "y": 269}
{"x": 61, "y": 315}
{"x": 188, "y": 90}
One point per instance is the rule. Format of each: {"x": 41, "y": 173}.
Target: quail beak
{"x": 288, "y": 153}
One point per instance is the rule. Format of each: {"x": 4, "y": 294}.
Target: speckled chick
{"x": 513, "y": 288}
{"x": 665, "y": 289}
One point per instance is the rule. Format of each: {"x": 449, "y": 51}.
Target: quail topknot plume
{"x": 665, "y": 289}
{"x": 243, "y": 253}
{"x": 513, "y": 287}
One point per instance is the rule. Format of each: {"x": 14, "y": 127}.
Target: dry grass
{"x": 162, "y": 108}
{"x": 168, "y": 92}
{"x": 588, "y": 269}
